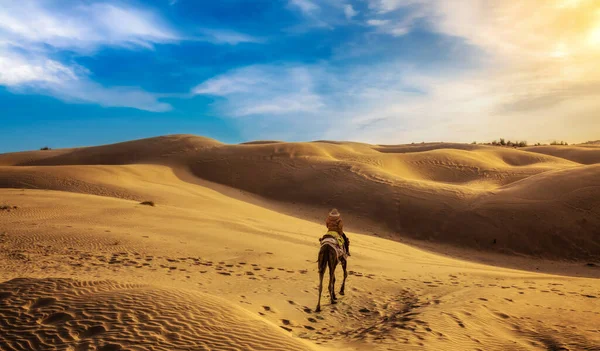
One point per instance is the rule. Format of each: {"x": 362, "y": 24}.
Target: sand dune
{"x": 584, "y": 154}
{"x": 155, "y": 272}
{"x": 554, "y": 214}
{"x": 150, "y": 150}
{"x": 458, "y": 194}
{"x": 66, "y": 314}
{"x": 226, "y": 259}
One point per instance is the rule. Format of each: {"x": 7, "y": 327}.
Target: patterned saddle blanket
{"x": 333, "y": 242}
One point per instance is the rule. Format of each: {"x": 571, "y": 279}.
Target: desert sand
{"x": 454, "y": 246}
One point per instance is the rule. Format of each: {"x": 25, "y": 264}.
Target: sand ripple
{"x": 66, "y": 314}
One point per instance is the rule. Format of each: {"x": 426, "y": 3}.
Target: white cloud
{"x": 264, "y": 90}
{"x": 86, "y": 91}
{"x": 349, "y": 11}
{"x": 385, "y": 6}
{"x": 306, "y": 6}
{"x": 229, "y": 37}
{"x": 40, "y": 75}
{"x": 16, "y": 70}
{"x": 390, "y": 27}
{"x": 538, "y": 67}
{"x": 537, "y": 79}
{"x": 81, "y": 27}
{"x": 322, "y": 14}
{"x": 32, "y": 33}
{"x": 377, "y": 22}
{"x": 395, "y": 102}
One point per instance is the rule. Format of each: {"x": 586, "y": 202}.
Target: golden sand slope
{"x": 198, "y": 243}
{"x": 67, "y": 314}
{"x": 585, "y": 154}
{"x": 466, "y": 196}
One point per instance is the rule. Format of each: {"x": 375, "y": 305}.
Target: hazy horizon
{"x": 110, "y": 142}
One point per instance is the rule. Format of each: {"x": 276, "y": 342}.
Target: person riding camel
{"x": 334, "y": 224}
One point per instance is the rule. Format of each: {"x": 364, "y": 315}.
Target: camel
{"x": 328, "y": 258}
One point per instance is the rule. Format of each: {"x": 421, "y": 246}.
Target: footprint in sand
{"x": 94, "y": 330}
{"x": 111, "y": 347}
{"x": 502, "y": 315}
{"x": 43, "y": 302}
{"x": 57, "y": 318}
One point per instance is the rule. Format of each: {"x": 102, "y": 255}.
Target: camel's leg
{"x": 321, "y": 274}
{"x": 332, "y": 264}
{"x": 344, "y": 264}
{"x": 322, "y": 262}
{"x": 333, "y": 288}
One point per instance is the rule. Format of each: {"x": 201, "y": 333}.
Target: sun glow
{"x": 594, "y": 37}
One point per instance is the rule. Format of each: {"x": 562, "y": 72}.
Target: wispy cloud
{"x": 40, "y": 75}
{"x": 537, "y": 66}
{"x": 323, "y": 14}
{"x": 397, "y": 102}
{"x": 81, "y": 27}
{"x": 349, "y": 11}
{"x": 32, "y": 33}
{"x": 264, "y": 90}
{"x": 391, "y": 27}
{"x": 221, "y": 36}
{"x": 16, "y": 70}
{"x": 306, "y": 6}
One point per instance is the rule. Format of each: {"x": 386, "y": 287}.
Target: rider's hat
{"x": 334, "y": 213}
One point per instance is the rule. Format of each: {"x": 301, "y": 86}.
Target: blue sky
{"x": 75, "y": 73}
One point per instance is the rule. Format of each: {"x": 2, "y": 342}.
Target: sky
{"x": 78, "y": 73}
